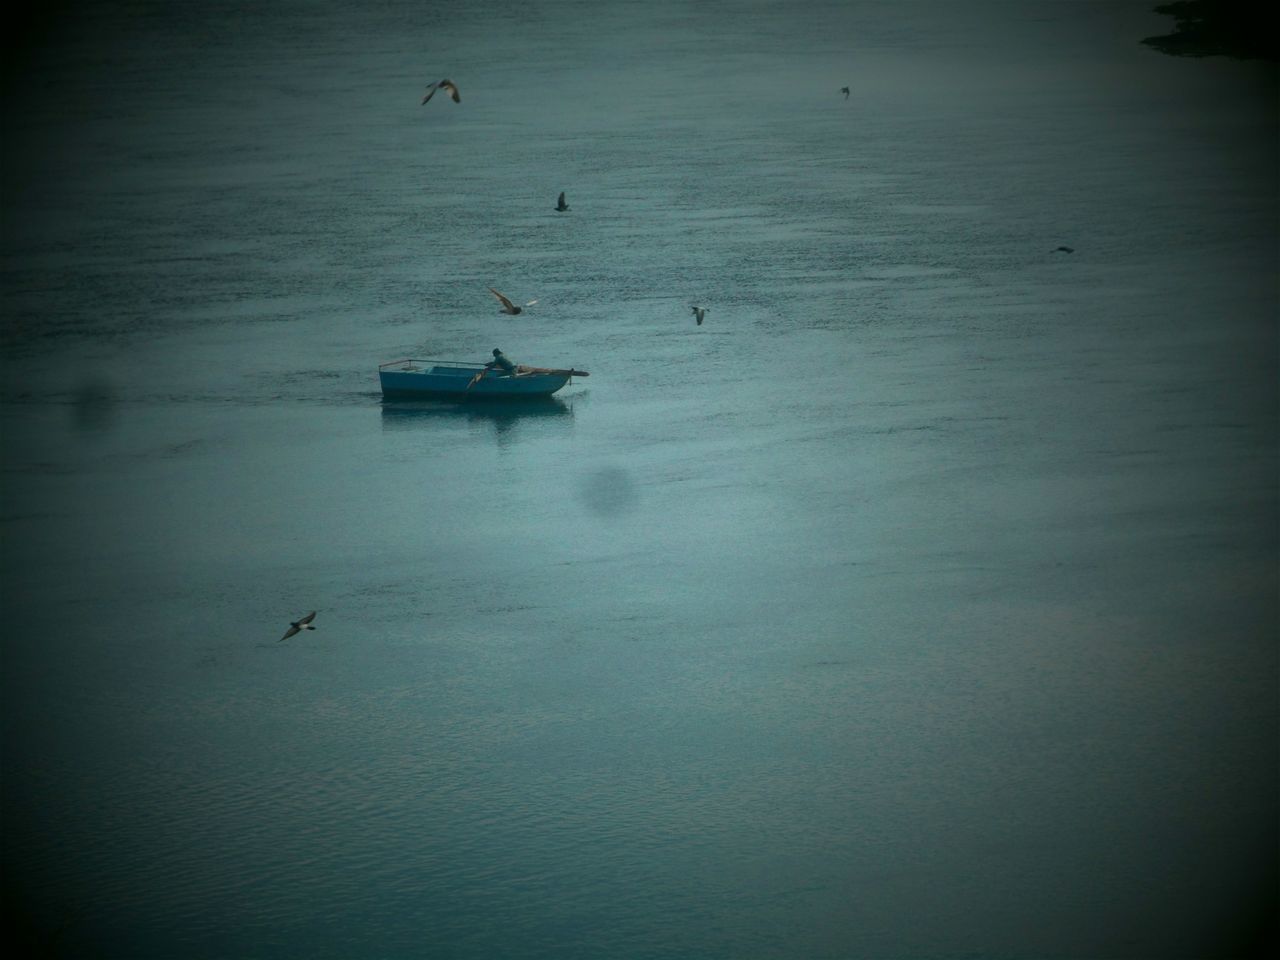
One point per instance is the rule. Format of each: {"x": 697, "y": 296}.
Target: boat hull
{"x": 458, "y": 381}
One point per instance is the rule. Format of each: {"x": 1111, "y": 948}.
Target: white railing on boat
{"x": 407, "y": 364}
{"x": 411, "y": 364}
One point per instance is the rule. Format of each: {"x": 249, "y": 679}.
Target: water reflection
{"x": 504, "y": 416}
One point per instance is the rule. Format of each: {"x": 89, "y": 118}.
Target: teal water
{"x": 920, "y": 603}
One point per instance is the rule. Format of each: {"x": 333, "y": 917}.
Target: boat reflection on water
{"x": 503, "y": 415}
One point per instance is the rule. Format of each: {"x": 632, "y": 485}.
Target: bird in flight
{"x": 561, "y": 205}
{"x": 699, "y": 313}
{"x": 297, "y": 626}
{"x": 447, "y": 85}
{"x": 845, "y": 91}
{"x": 508, "y": 306}
{"x": 1065, "y": 249}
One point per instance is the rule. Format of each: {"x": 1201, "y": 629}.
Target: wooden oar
{"x": 571, "y": 373}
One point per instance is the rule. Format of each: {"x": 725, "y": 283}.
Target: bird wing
{"x": 308, "y": 618}
{"x": 531, "y": 303}
{"x": 562, "y": 199}
{"x": 289, "y": 633}
{"x": 431, "y": 92}
{"x": 453, "y": 90}
{"x": 505, "y": 302}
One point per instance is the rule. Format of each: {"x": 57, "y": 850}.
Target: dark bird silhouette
{"x": 699, "y": 313}
{"x": 845, "y": 91}
{"x": 561, "y": 205}
{"x": 1064, "y": 249}
{"x": 446, "y": 85}
{"x": 508, "y": 306}
{"x": 297, "y": 626}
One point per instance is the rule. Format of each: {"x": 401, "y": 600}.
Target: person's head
{"x": 497, "y": 352}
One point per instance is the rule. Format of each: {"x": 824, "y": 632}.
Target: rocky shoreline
{"x": 1216, "y": 28}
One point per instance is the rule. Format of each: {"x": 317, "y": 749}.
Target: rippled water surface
{"x": 920, "y": 603}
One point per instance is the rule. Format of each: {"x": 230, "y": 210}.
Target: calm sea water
{"x": 921, "y": 603}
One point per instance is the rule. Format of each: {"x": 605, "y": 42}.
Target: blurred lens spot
{"x": 93, "y": 406}
{"x": 608, "y": 492}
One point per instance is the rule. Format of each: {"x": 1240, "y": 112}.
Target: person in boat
{"x": 501, "y": 364}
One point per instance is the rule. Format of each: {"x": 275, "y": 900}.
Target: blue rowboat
{"x": 417, "y": 379}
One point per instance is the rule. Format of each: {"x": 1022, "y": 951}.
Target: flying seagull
{"x": 508, "y": 306}
{"x": 845, "y": 91}
{"x": 561, "y": 205}
{"x": 699, "y": 313}
{"x": 297, "y": 626}
{"x": 1064, "y": 249}
{"x": 447, "y": 85}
